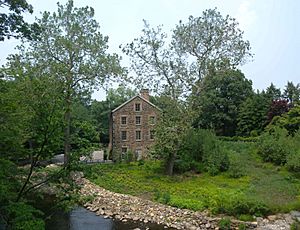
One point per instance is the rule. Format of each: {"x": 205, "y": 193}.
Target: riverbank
{"x": 126, "y": 207}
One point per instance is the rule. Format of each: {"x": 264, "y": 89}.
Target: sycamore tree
{"x": 71, "y": 49}
{"x": 173, "y": 66}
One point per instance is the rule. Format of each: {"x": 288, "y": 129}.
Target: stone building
{"x": 132, "y": 126}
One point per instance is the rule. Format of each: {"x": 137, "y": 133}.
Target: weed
{"x": 224, "y": 224}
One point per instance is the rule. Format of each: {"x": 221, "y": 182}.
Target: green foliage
{"x": 225, "y": 224}
{"x": 179, "y": 65}
{"x": 24, "y": 217}
{"x": 236, "y": 166}
{"x": 171, "y": 128}
{"x": 275, "y": 146}
{"x": 246, "y": 217}
{"x": 162, "y": 197}
{"x": 290, "y": 120}
{"x": 200, "y": 151}
{"x": 12, "y": 22}
{"x": 129, "y": 156}
{"x": 293, "y": 162}
{"x": 265, "y": 189}
{"x": 292, "y": 93}
{"x": 242, "y": 226}
{"x": 222, "y": 93}
{"x": 295, "y": 226}
{"x": 252, "y": 115}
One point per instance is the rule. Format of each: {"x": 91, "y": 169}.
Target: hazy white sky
{"x": 271, "y": 26}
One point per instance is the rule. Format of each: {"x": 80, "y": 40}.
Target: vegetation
{"x": 12, "y": 21}
{"x": 223, "y": 146}
{"x": 262, "y": 189}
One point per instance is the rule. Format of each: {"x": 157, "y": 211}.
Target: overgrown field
{"x": 263, "y": 188}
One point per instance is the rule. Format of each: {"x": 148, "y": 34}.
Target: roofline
{"x": 126, "y": 102}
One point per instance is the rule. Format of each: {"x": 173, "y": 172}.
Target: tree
{"x": 154, "y": 63}
{"x": 218, "y": 106}
{"x": 100, "y": 110}
{"x": 206, "y": 42}
{"x": 172, "y": 69}
{"x": 273, "y": 93}
{"x": 169, "y": 133}
{"x": 277, "y": 108}
{"x": 252, "y": 116}
{"x": 12, "y": 24}
{"x": 72, "y": 49}
{"x": 211, "y": 41}
{"x": 292, "y": 93}
{"x": 289, "y": 121}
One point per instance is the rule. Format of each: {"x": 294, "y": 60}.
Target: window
{"x": 137, "y": 107}
{"x": 123, "y": 120}
{"x": 138, "y": 135}
{"x": 124, "y": 150}
{"x": 152, "y": 120}
{"x": 138, "y": 120}
{"x": 152, "y": 134}
{"x": 123, "y": 135}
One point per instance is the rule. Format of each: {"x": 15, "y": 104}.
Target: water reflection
{"x": 82, "y": 219}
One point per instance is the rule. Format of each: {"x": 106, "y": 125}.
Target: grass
{"x": 264, "y": 188}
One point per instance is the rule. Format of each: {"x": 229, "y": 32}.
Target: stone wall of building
{"x": 148, "y": 115}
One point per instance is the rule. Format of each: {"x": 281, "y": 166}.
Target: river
{"x": 82, "y": 219}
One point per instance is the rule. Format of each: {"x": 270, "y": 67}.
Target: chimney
{"x": 145, "y": 94}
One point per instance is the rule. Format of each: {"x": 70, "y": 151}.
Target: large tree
{"x": 219, "y": 103}
{"x": 252, "y": 116}
{"x": 72, "y": 49}
{"x": 172, "y": 67}
{"x": 210, "y": 41}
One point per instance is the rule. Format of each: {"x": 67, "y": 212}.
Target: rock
{"x": 295, "y": 214}
{"x": 125, "y": 207}
{"x": 272, "y": 218}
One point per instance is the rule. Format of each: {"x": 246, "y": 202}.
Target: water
{"x": 80, "y": 218}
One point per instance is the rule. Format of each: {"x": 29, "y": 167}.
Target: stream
{"x": 82, "y": 219}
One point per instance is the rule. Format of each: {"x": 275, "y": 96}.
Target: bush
{"x": 293, "y": 162}
{"x": 224, "y": 224}
{"x": 200, "y": 151}
{"x": 162, "y": 197}
{"x": 275, "y": 146}
{"x": 236, "y": 166}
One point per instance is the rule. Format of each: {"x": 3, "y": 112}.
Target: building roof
{"x": 131, "y": 99}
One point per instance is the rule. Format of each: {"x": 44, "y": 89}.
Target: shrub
{"x": 216, "y": 161}
{"x": 200, "y": 151}
{"x": 224, "y": 224}
{"x": 129, "y": 156}
{"x": 242, "y": 226}
{"x": 180, "y": 202}
{"x": 162, "y": 197}
{"x": 293, "y": 162}
{"x": 246, "y": 217}
{"x": 236, "y": 166}
{"x": 295, "y": 226}
{"x": 275, "y": 146}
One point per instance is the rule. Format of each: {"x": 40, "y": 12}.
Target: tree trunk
{"x": 170, "y": 165}
{"x": 67, "y": 145}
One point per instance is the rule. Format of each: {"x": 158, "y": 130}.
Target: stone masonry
{"x": 132, "y": 126}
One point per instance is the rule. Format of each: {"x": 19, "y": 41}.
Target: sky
{"x": 271, "y": 26}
